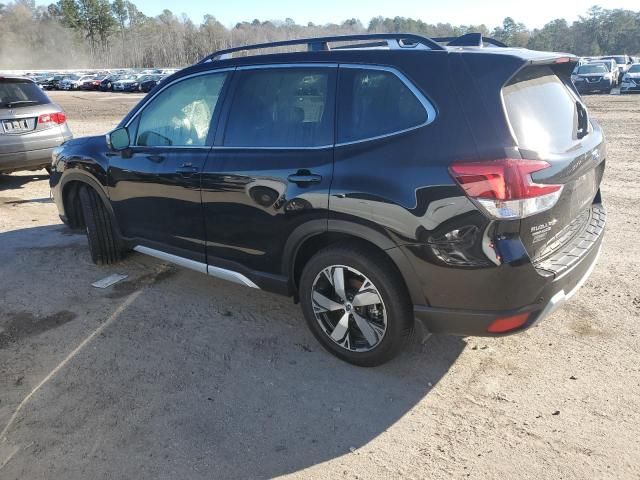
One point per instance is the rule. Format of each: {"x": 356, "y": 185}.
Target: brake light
{"x": 506, "y": 324}
{"x": 504, "y": 188}
{"x": 51, "y": 119}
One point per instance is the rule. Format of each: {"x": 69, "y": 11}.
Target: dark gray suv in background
{"x": 31, "y": 126}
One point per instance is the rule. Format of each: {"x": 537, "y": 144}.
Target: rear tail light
{"x": 506, "y": 324}
{"x": 504, "y": 188}
{"x": 52, "y": 119}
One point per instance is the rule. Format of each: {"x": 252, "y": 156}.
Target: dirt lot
{"x": 171, "y": 374}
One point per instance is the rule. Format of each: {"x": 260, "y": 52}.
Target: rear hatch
{"x": 28, "y": 119}
{"x": 550, "y": 122}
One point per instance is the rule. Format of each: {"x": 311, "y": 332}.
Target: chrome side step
{"x": 218, "y": 272}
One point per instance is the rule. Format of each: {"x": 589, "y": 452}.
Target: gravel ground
{"x": 171, "y": 374}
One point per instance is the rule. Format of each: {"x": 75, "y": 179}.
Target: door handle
{"x": 186, "y": 169}
{"x": 304, "y": 177}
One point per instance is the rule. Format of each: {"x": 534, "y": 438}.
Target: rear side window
{"x": 282, "y": 107}
{"x": 15, "y": 93}
{"x": 542, "y": 111}
{"x": 180, "y": 116}
{"x": 374, "y": 103}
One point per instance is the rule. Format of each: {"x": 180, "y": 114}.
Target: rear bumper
{"x": 10, "y": 162}
{"x": 36, "y": 156}
{"x": 561, "y": 286}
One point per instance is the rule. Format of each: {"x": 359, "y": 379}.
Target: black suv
{"x": 358, "y": 179}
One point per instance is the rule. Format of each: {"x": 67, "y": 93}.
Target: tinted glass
{"x": 634, "y": 69}
{"x": 20, "y": 93}
{"x": 180, "y": 116}
{"x": 279, "y": 107}
{"x": 542, "y": 111}
{"x": 374, "y": 103}
{"x": 592, "y": 69}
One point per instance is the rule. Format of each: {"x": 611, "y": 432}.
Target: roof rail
{"x": 393, "y": 41}
{"x": 469, "y": 40}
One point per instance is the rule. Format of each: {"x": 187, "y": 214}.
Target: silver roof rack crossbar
{"x": 392, "y": 40}
{"x": 469, "y": 40}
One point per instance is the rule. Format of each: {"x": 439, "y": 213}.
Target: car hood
{"x": 125, "y": 82}
{"x": 633, "y": 75}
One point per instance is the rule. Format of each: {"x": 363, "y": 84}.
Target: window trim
{"x": 426, "y": 103}
{"x": 224, "y": 120}
{"x": 146, "y": 103}
{"x": 422, "y": 98}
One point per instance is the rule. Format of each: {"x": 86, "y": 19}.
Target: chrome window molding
{"x": 287, "y": 65}
{"x": 229, "y": 147}
{"x": 426, "y": 103}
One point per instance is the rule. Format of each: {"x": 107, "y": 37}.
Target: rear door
{"x": 271, "y": 167}
{"x": 550, "y": 123}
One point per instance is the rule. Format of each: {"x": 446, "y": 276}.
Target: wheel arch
{"x": 69, "y": 188}
{"x": 310, "y": 238}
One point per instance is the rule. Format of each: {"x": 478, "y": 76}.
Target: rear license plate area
{"x": 18, "y": 125}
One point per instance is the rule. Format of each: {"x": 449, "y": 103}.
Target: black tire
{"x": 48, "y": 169}
{"x": 103, "y": 242}
{"x": 377, "y": 268}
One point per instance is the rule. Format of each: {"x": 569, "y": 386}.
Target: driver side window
{"x": 180, "y": 115}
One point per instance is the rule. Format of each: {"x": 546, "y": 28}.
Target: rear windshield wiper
{"x": 20, "y": 102}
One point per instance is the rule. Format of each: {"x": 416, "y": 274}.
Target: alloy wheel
{"x": 349, "y": 308}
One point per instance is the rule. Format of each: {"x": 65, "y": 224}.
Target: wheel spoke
{"x": 341, "y": 329}
{"x": 338, "y": 282}
{"x": 372, "y": 332}
{"x": 324, "y": 304}
{"x": 366, "y": 297}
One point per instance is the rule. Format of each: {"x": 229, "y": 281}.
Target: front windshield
{"x": 635, "y": 68}
{"x": 592, "y": 69}
{"x": 620, "y": 60}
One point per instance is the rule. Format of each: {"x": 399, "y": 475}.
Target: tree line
{"x": 103, "y": 33}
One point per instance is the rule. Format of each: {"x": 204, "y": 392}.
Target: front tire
{"x": 355, "y": 304}
{"x": 103, "y": 241}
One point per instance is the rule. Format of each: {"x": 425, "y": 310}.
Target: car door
{"x": 154, "y": 185}
{"x": 271, "y": 167}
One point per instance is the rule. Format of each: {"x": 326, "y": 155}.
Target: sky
{"x": 533, "y": 14}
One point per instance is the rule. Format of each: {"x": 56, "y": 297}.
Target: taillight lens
{"x": 504, "y": 188}
{"x": 52, "y": 119}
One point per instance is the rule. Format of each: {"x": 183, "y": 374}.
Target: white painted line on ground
{"x": 123, "y": 306}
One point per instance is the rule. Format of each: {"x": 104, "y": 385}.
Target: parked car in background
{"x": 69, "y": 82}
{"x": 51, "y": 82}
{"x": 593, "y": 78}
{"x": 107, "y": 83}
{"x": 31, "y": 126}
{"x": 355, "y": 180}
{"x": 623, "y": 62}
{"x": 128, "y": 83}
{"x": 147, "y": 83}
{"x": 93, "y": 84}
{"x": 631, "y": 80}
{"x": 611, "y": 66}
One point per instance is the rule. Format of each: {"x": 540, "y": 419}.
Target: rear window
{"x": 16, "y": 92}
{"x": 374, "y": 103}
{"x": 542, "y": 111}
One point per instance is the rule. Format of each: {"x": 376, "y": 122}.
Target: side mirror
{"x": 118, "y": 139}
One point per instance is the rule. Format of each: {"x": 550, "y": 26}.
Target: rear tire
{"x": 103, "y": 242}
{"x": 390, "y": 313}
